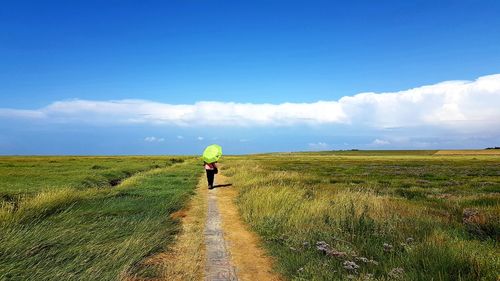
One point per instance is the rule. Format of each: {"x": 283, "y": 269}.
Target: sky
{"x": 170, "y": 77}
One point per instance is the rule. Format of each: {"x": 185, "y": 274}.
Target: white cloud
{"x": 319, "y": 146}
{"x": 200, "y": 138}
{"x": 180, "y": 137}
{"x": 153, "y": 139}
{"x": 453, "y": 104}
{"x": 457, "y": 105}
{"x": 381, "y": 142}
{"x": 21, "y": 113}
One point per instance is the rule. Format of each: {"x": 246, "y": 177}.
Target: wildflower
{"x": 387, "y": 247}
{"x": 396, "y": 273}
{"x": 361, "y": 259}
{"x": 329, "y": 251}
{"x": 300, "y": 270}
{"x": 350, "y": 265}
{"x": 366, "y": 260}
{"x": 322, "y": 246}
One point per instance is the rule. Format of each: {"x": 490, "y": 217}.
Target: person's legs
{"x": 210, "y": 178}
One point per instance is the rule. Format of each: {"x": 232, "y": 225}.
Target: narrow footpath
{"x": 218, "y": 264}
{"x": 233, "y": 252}
{"x": 213, "y": 243}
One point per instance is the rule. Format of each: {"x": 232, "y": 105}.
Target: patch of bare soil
{"x": 251, "y": 261}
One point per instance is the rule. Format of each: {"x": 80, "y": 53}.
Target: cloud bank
{"x": 460, "y": 105}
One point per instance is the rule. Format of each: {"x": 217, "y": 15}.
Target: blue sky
{"x": 57, "y": 56}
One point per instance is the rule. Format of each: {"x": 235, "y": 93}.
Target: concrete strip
{"x": 218, "y": 266}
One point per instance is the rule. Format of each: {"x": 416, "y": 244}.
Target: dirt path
{"x": 213, "y": 244}
{"x": 242, "y": 246}
{"x": 218, "y": 262}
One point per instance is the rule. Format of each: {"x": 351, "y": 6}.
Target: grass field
{"x": 341, "y": 215}
{"x": 27, "y": 176}
{"x": 84, "y": 218}
{"x": 374, "y": 215}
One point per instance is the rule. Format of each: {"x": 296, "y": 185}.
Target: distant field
{"x": 88, "y": 218}
{"x": 374, "y": 215}
{"x": 370, "y": 152}
{"x": 469, "y": 152}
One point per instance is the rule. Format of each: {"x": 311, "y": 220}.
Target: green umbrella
{"x": 212, "y": 153}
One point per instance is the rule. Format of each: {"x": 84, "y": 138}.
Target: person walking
{"x": 211, "y": 155}
{"x": 211, "y": 169}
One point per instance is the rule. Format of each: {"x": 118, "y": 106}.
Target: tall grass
{"x": 94, "y": 233}
{"x": 371, "y": 232}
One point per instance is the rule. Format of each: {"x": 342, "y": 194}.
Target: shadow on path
{"x": 222, "y": 185}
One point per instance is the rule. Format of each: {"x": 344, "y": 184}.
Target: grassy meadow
{"x": 374, "y": 215}
{"x": 345, "y": 215}
{"x": 27, "y": 176}
{"x": 88, "y": 218}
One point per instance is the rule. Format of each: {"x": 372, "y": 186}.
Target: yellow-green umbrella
{"x": 212, "y": 153}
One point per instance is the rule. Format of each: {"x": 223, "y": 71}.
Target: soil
{"x": 247, "y": 256}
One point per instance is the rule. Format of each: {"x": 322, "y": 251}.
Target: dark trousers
{"x": 210, "y": 177}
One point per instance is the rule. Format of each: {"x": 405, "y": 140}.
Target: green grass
{"x": 22, "y": 176}
{"x": 75, "y": 232}
{"x": 416, "y": 204}
{"x": 99, "y": 218}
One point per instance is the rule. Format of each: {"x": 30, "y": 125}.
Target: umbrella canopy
{"x": 212, "y": 153}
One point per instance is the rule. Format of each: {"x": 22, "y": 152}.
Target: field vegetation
{"x": 27, "y": 176}
{"x": 349, "y": 215}
{"x": 84, "y": 218}
{"x": 375, "y": 215}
